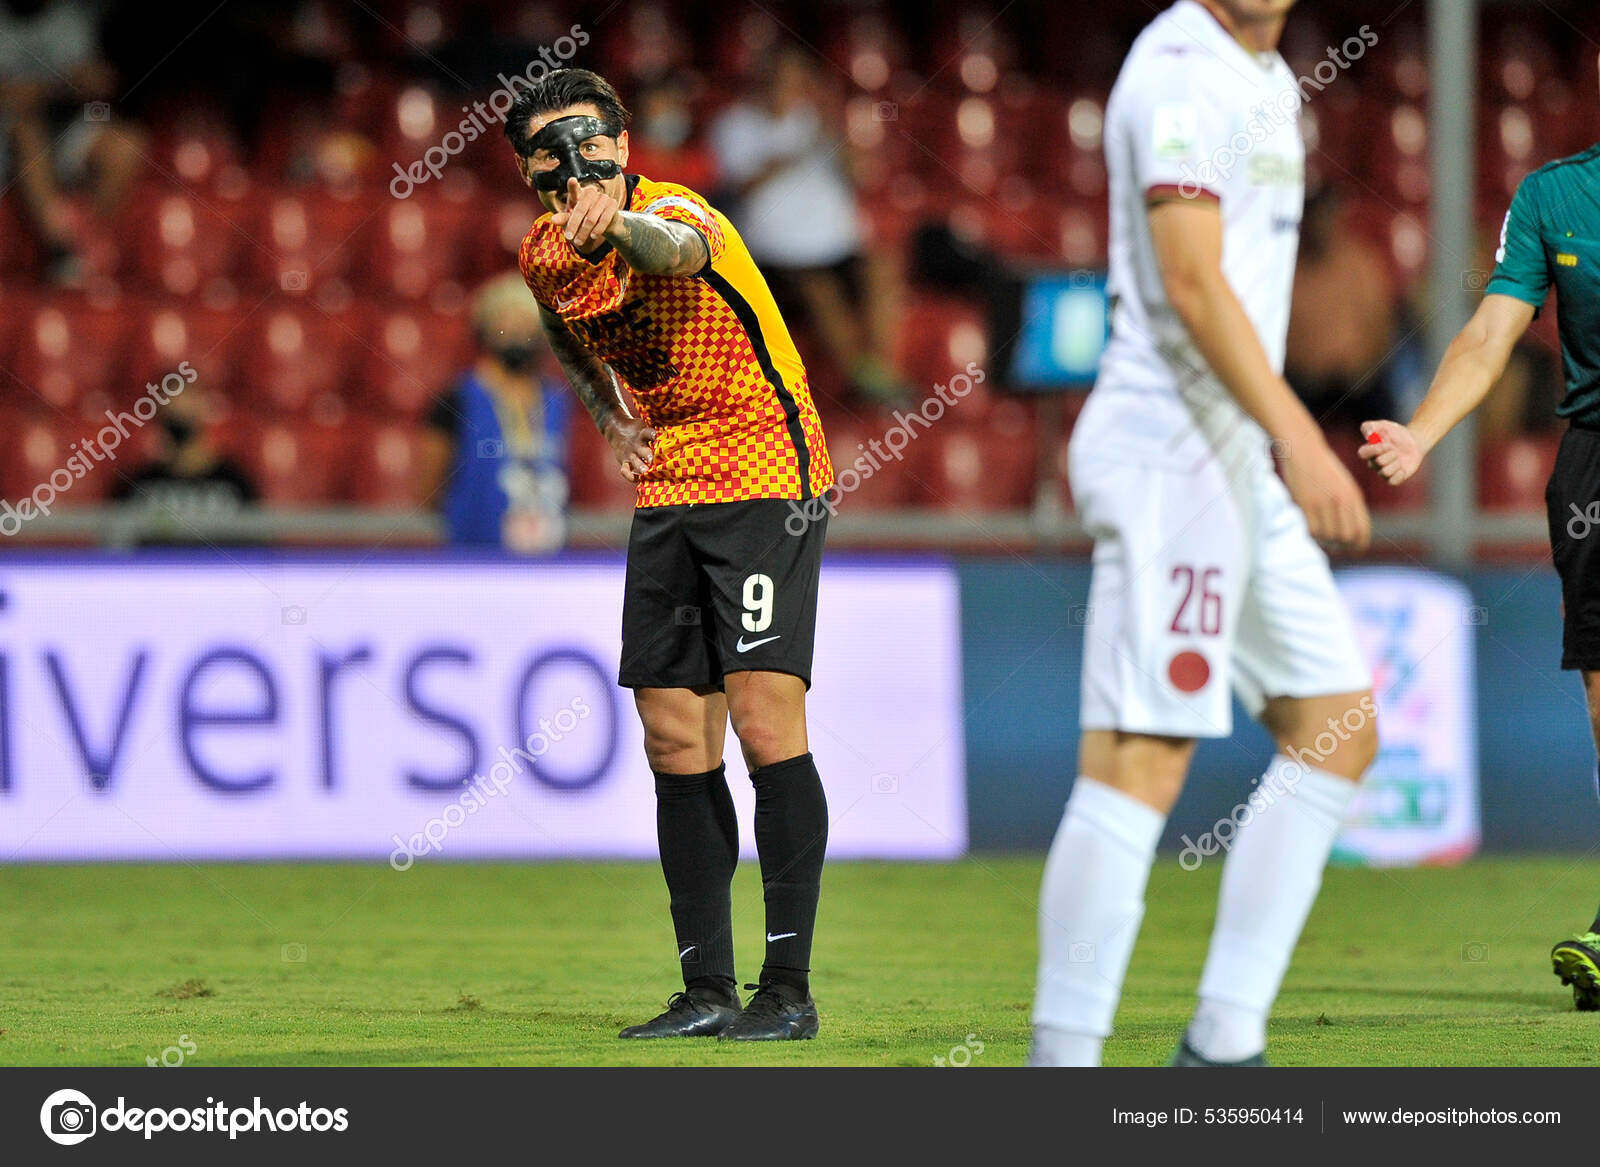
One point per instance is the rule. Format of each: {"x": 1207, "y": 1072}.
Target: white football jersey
{"x": 1197, "y": 115}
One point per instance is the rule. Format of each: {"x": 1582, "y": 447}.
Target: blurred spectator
{"x": 1342, "y": 321}
{"x": 796, "y": 210}
{"x": 188, "y": 480}
{"x": 499, "y": 437}
{"x": 662, "y": 143}
{"x": 56, "y": 123}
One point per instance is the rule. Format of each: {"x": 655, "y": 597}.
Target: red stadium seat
{"x": 885, "y": 147}
{"x": 867, "y": 480}
{"x": 416, "y": 243}
{"x": 642, "y": 40}
{"x": 495, "y": 250}
{"x": 298, "y": 360}
{"x": 291, "y": 464}
{"x": 195, "y": 148}
{"x": 411, "y": 354}
{"x": 167, "y": 335}
{"x": 904, "y": 206}
{"x": 939, "y": 337}
{"x": 978, "y": 468}
{"x": 1083, "y": 234}
{"x": 385, "y": 465}
{"x": 180, "y": 242}
{"x": 39, "y": 446}
{"x": 974, "y": 42}
{"x": 866, "y": 46}
{"x": 1399, "y": 159}
{"x": 70, "y": 357}
{"x": 304, "y": 239}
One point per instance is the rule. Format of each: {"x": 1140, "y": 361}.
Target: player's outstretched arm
{"x": 656, "y": 246}
{"x": 648, "y": 244}
{"x": 1472, "y": 364}
{"x": 602, "y": 395}
{"x": 1187, "y": 236}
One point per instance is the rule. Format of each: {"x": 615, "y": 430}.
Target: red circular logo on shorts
{"x": 1188, "y": 672}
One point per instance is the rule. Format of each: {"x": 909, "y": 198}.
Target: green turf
{"x": 541, "y": 964}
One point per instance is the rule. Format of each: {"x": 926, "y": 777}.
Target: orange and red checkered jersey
{"x": 707, "y": 357}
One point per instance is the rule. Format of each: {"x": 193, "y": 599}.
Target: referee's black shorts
{"x": 720, "y": 587}
{"x": 1572, "y": 501}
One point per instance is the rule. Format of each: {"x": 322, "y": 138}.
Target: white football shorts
{"x": 1204, "y": 582}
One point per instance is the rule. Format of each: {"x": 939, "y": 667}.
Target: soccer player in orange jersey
{"x": 671, "y": 340}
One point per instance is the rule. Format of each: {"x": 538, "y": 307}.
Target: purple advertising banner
{"x": 409, "y": 712}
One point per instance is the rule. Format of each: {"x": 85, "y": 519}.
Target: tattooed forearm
{"x": 591, "y": 378}
{"x": 659, "y": 246}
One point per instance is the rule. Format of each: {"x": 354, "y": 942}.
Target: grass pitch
{"x": 510, "y": 964}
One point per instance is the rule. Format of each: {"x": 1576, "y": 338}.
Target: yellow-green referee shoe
{"x": 1577, "y": 963}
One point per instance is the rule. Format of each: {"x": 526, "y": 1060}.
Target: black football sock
{"x": 791, "y": 838}
{"x": 1595, "y": 927}
{"x": 699, "y": 838}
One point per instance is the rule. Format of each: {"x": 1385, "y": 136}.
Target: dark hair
{"x": 561, "y": 89}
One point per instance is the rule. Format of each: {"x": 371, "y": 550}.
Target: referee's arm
{"x": 1477, "y": 356}
{"x": 1471, "y": 365}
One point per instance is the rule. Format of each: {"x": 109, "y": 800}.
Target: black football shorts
{"x": 720, "y": 587}
{"x": 1572, "y": 502}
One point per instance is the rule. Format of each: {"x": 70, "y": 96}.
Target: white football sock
{"x": 1089, "y": 912}
{"x": 1269, "y": 882}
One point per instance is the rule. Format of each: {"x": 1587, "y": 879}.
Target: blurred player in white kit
{"x": 1207, "y": 574}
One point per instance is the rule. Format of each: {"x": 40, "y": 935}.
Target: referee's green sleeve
{"x": 1520, "y": 266}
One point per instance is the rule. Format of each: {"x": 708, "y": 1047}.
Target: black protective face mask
{"x": 563, "y": 139}
{"x": 517, "y": 358}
